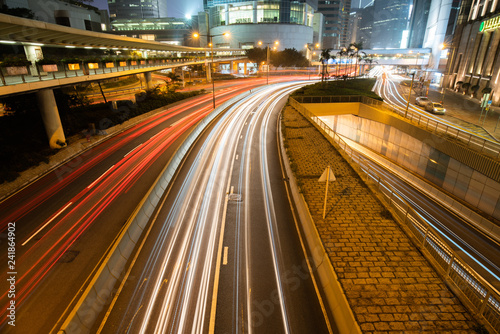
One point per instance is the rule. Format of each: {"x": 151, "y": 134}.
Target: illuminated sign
{"x": 492, "y": 23}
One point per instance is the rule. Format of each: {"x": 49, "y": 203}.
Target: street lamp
{"x": 197, "y": 35}
{"x": 449, "y": 65}
{"x": 409, "y": 94}
{"x": 275, "y": 47}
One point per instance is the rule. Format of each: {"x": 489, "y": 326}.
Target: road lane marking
{"x": 182, "y": 119}
{"x": 231, "y": 192}
{"x": 47, "y": 223}
{"x": 237, "y": 156}
{"x": 224, "y": 261}
{"x": 213, "y": 308}
{"x": 132, "y": 150}
{"x": 90, "y": 186}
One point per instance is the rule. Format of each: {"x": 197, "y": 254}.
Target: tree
{"x": 368, "y": 59}
{"x": 343, "y": 52}
{"x": 18, "y": 11}
{"x": 325, "y": 56}
{"x": 289, "y": 58}
{"x": 353, "y": 53}
{"x": 171, "y": 81}
{"x": 257, "y": 55}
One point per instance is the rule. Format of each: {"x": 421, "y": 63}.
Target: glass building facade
{"x": 224, "y": 12}
{"x": 288, "y": 21}
{"x": 137, "y": 9}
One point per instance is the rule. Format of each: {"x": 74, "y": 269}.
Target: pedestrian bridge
{"x": 393, "y": 57}
{"x": 35, "y": 37}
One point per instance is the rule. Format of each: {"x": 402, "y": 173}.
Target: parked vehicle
{"x": 436, "y": 108}
{"x": 422, "y": 101}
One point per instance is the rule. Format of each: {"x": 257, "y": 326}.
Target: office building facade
{"x": 390, "y": 24}
{"x": 287, "y": 21}
{"x": 474, "y": 66}
{"x": 137, "y": 9}
{"x": 336, "y": 23}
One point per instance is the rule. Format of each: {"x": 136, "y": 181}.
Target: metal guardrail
{"x": 472, "y": 141}
{"x": 482, "y": 297}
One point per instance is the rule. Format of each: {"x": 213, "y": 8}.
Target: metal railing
{"x": 63, "y": 72}
{"x": 482, "y": 297}
{"x": 472, "y": 141}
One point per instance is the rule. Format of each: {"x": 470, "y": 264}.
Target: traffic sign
{"x": 490, "y": 102}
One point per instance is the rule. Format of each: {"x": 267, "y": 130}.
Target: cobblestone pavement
{"x": 389, "y": 285}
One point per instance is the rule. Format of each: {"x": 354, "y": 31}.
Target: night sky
{"x": 175, "y": 8}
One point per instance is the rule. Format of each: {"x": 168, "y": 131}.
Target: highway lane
{"x": 223, "y": 254}
{"x": 66, "y": 220}
{"x": 478, "y": 250}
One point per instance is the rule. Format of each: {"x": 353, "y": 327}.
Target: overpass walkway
{"x": 18, "y": 84}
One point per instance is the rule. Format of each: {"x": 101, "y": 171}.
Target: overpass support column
{"x": 245, "y": 70}
{"x": 209, "y": 72}
{"x": 149, "y": 80}
{"x": 51, "y": 119}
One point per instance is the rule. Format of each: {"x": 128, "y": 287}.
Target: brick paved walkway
{"x": 389, "y": 285}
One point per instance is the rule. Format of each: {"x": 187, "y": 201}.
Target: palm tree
{"x": 368, "y": 59}
{"x": 353, "y": 51}
{"x": 341, "y": 53}
{"x": 325, "y": 56}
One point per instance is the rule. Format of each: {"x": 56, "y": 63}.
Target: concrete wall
{"x": 423, "y": 158}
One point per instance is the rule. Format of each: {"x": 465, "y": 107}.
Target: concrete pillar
{"x": 231, "y": 67}
{"x": 208, "y": 67}
{"x": 245, "y": 71}
{"x": 183, "y": 79}
{"x": 149, "y": 80}
{"x": 51, "y": 119}
{"x": 226, "y": 14}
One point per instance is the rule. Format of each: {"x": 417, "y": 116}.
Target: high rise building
{"x": 137, "y": 9}
{"x": 418, "y": 22}
{"x": 336, "y": 22}
{"x": 390, "y": 24}
{"x": 474, "y": 52}
{"x": 290, "y": 22}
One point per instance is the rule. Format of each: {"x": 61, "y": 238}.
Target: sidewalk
{"x": 465, "y": 111}
{"x": 388, "y": 283}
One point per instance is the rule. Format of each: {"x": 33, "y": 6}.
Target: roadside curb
{"x": 334, "y": 294}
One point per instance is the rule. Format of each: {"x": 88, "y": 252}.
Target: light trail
{"x": 92, "y": 201}
{"x": 185, "y": 250}
{"x": 457, "y": 241}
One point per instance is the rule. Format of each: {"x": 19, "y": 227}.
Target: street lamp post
{"x": 268, "y": 51}
{"x": 409, "y": 94}
{"x": 310, "y": 53}
{"x": 196, "y": 35}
